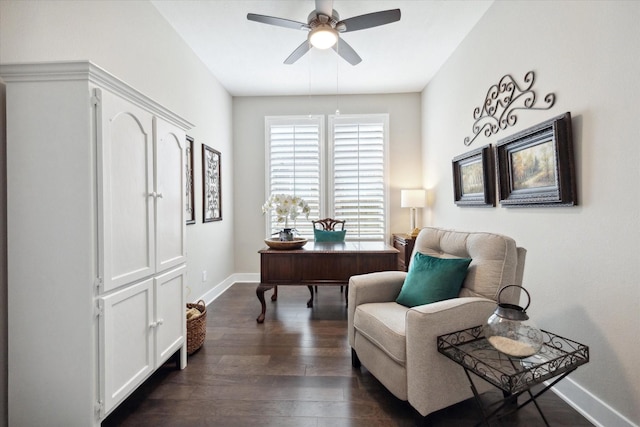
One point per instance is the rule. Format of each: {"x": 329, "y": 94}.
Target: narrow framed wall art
{"x": 189, "y": 196}
{"x": 211, "y": 186}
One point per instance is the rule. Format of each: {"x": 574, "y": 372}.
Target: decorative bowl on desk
{"x": 296, "y": 243}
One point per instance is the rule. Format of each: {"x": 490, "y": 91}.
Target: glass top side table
{"x": 557, "y": 358}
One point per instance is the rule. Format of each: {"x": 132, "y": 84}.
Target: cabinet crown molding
{"x": 87, "y": 71}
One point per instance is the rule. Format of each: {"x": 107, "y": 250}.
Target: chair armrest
{"x": 434, "y": 381}
{"x": 383, "y": 286}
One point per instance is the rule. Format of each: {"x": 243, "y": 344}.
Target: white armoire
{"x": 96, "y": 241}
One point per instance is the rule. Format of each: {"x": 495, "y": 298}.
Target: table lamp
{"x": 413, "y": 199}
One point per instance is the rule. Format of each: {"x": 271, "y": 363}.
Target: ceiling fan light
{"x": 323, "y": 36}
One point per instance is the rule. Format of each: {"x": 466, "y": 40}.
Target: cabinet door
{"x": 169, "y": 313}
{"x": 126, "y": 341}
{"x": 170, "y": 189}
{"x": 125, "y": 187}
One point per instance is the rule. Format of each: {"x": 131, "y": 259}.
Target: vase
{"x": 286, "y": 235}
{"x": 510, "y": 330}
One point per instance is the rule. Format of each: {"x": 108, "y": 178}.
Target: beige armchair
{"x": 397, "y": 344}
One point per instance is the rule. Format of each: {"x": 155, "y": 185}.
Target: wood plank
{"x": 293, "y": 370}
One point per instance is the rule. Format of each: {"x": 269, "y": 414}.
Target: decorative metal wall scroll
{"x": 500, "y": 104}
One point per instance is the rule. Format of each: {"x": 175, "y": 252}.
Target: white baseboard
{"x": 590, "y": 406}
{"x": 216, "y": 291}
{"x": 251, "y": 278}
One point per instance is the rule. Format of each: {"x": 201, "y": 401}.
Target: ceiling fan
{"x": 324, "y": 26}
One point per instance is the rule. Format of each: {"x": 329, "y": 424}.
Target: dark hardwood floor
{"x": 292, "y": 371}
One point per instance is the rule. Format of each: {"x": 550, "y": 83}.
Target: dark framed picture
{"x": 211, "y": 187}
{"x": 189, "y": 196}
{"x": 473, "y": 178}
{"x": 536, "y": 166}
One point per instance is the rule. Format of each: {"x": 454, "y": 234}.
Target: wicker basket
{"x": 196, "y": 328}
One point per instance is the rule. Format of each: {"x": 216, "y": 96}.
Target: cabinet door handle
{"x": 160, "y": 322}
{"x": 153, "y": 194}
{"x": 159, "y": 195}
{"x": 153, "y": 325}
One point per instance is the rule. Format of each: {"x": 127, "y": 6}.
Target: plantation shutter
{"x": 293, "y": 165}
{"x": 358, "y": 172}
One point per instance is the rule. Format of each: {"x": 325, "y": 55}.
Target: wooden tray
{"x": 296, "y": 243}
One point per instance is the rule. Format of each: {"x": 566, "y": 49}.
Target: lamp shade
{"x": 413, "y": 198}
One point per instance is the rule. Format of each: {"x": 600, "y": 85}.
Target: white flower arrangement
{"x": 286, "y": 207}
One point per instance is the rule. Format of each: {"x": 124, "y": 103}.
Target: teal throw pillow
{"x": 329, "y": 236}
{"x": 432, "y": 279}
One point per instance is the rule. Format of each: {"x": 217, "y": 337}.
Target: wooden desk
{"x": 321, "y": 264}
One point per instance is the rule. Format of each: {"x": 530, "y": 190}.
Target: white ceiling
{"x": 247, "y": 57}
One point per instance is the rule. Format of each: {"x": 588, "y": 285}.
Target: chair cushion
{"x": 495, "y": 257}
{"x": 329, "y": 236}
{"x": 384, "y": 324}
{"x": 432, "y": 279}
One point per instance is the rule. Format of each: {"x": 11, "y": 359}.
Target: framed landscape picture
{"x": 211, "y": 187}
{"x": 473, "y": 178}
{"x": 536, "y": 166}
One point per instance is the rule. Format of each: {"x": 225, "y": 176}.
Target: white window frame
{"x": 360, "y": 119}
{"x": 305, "y": 120}
{"x": 326, "y": 147}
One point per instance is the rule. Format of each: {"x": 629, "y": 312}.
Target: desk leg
{"x": 260, "y": 294}
{"x": 310, "y": 302}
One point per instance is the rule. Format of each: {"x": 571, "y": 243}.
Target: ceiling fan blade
{"x": 324, "y": 7}
{"x": 370, "y": 20}
{"x": 279, "y": 22}
{"x": 345, "y": 50}
{"x": 298, "y": 53}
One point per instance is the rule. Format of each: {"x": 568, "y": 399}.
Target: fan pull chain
{"x": 309, "y": 71}
{"x": 337, "y": 78}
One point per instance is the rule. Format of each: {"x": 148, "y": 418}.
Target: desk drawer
{"x": 329, "y": 268}
{"x": 280, "y": 268}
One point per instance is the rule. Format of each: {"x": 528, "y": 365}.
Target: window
{"x": 293, "y": 156}
{"x": 357, "y": 174}
{"x": 347, "y": 180}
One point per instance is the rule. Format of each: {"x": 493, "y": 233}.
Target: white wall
{"x": 582, "y": 261}
{"x": 249, "y": 163}
{"x": 132, "y": 41}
